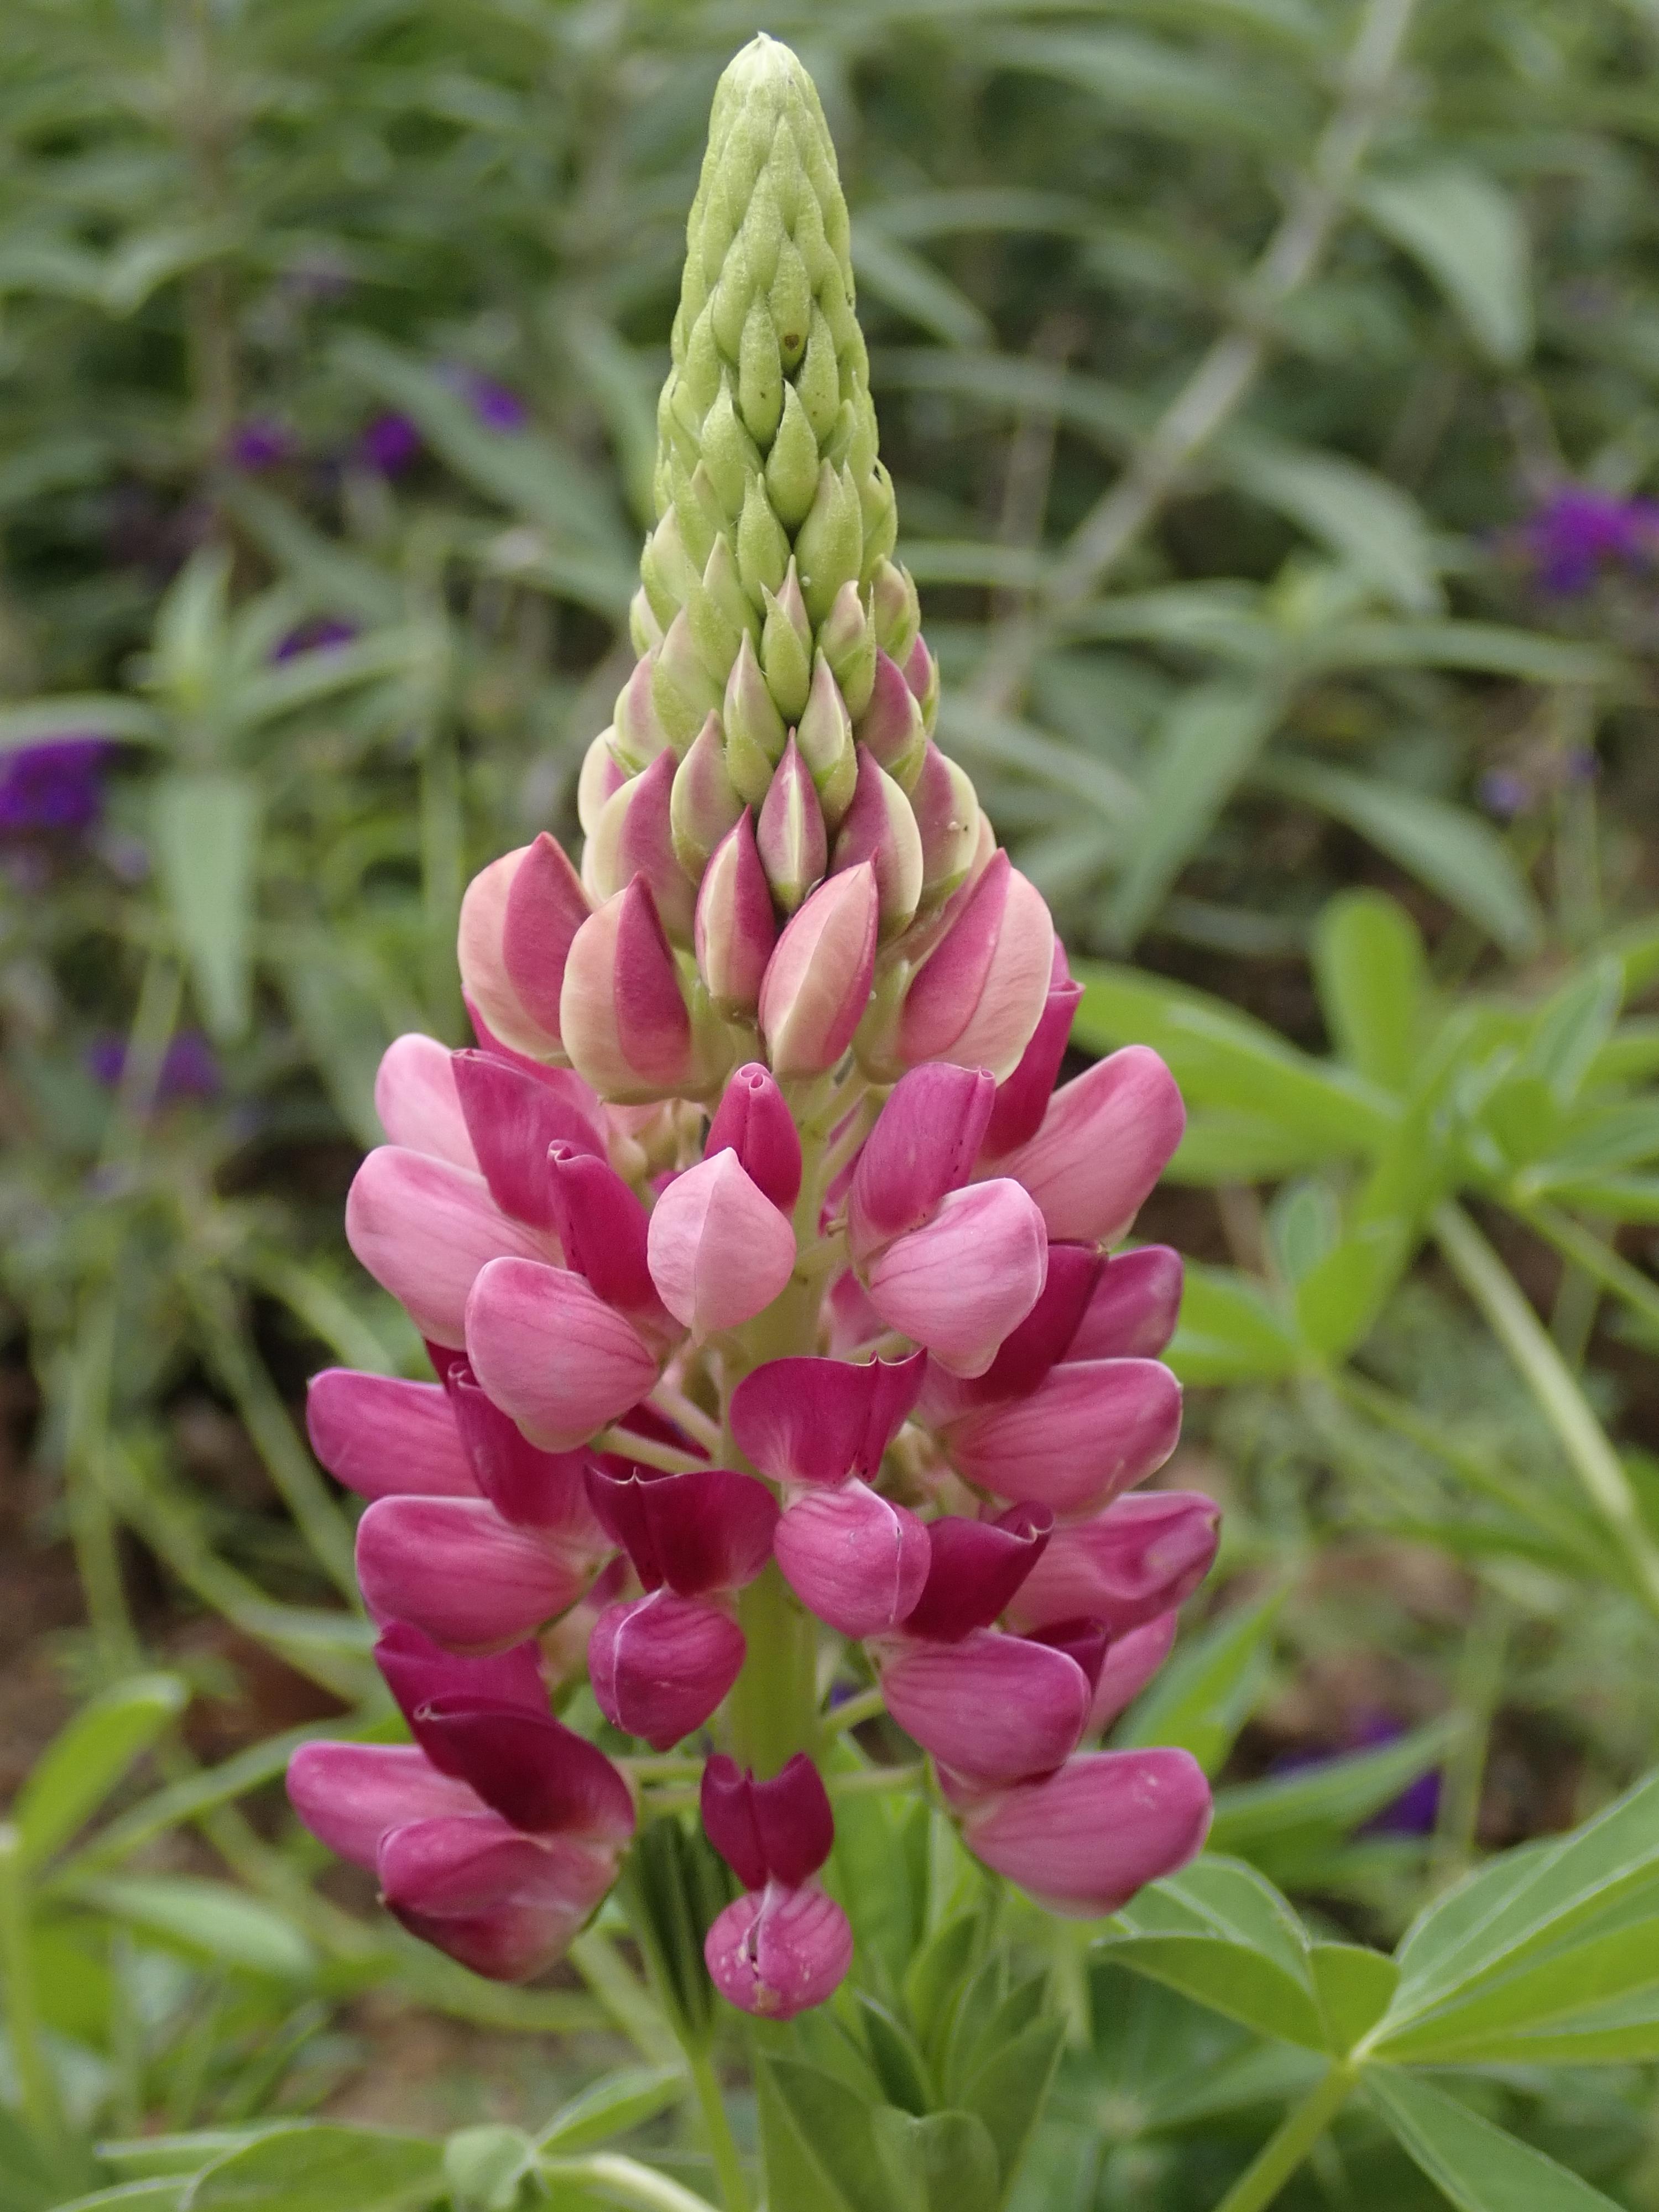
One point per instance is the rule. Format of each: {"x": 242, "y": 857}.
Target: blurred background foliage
{"x": 1272, "y": 388}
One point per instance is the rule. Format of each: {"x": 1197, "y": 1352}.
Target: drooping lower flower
{"x": 766, "y": 1276}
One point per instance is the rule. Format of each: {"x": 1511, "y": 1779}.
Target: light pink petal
{"x": 548, "y": 1350}
{"x": 463, "y": 1577}
{"x": 778, "y": 1952}
{"x": 349, "y": 1795}
{"x": 1086, "y": 1839}
{"x": 1089, "y": 1431}
{"x": 853, "y": 1559}
{"x": 415, "y": 1098}
{"x": 423, "y": 1228}
{"x": 384, "y": 1437}
{"x": 719, "y": 1250}
{"x": 992, "y": 1708}
{"x": 961, "y": 1284}
{"x": 1105, "y": 1140}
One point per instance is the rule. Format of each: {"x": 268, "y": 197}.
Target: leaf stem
{"x": 867, "y": 1705}
{"x": 1290, "y": 2144}
{"x": 717, "y": 2127}
{"x": 625, "y": 2181}
{"x": 1585, "y": 1250}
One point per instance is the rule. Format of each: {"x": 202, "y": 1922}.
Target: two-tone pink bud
{"x": 817, "y": 982}
{"x": 977, "y": 998}
{"x": 1102, "y": 1142}
{"x": 720, "y": 1249}
{"x": 660, "y": 1664}
{"x": 518, "y": 920}
{"x": 626, "y": 1018}
{"x": 784, "y": 1946}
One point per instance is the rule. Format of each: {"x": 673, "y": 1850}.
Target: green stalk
{"x": 1290, "y": 2144}
{"x": 722, "y": 2145}
{"x": 625, "y": 2181}
{"x": 37, "y": 2084}
{"x": 613, "y": 1981}
{"x": 1560, "y": 1399}
{"x": 1600, "y": 1261}
{"x": 773, "y": 1710}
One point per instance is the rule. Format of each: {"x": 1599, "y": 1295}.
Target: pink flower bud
{"x": 1022, "y": 1100}
{"x": 791, "y": 839}
{"x": 637, "y": 730}
{"x": 534, "y": 1489}
{"x": 754, "y": 1121}
{"x": 891, "y": 727}
{"x": 661, "y": 1664}
{"x": 1131, "y": 1660}
{"x": 415, "y": 1098}
{"x": 992, "y": 1709}
{"x": 895, "y": 608}
{"x": 921, "y": 674}
{"x": 461, "y": 1574}
{"x": 518, "y": 922}
{"x": 755, "y": 730}
{"x": 604, "y": 1229}
{"x": 806, "y": 1420}
{"x": 551, "y": 1352}
{"x": 382, "y": 1437}
{"x": 503, "y": 1904}
{"x": 1105, "y": 1141}
{"x": 629, "y": 1020}
{"x": 849, "y": 639}
{"x": 921, "y": 1148}
{"x": 1045, "y": 1336}
{"x": 778, "y": 1830}
{"x": 778, "y": 1952}
{"x": 817, "y": 982}
{"x": 880, "y": 828}
{"x": 961, "y": 1282}
{"x": 974, "y": 1570}
{"x": 512, "y": 1117}
{"x": 721, "y": 1251}
{"x": 705, "y": 804}
{"x": 735, "y": 930}
{"x": 601, "y": 774}
{"x": 1086, "y": 1839}
{"x": 853, "y": 1559}
{"x": 709, "y": 1530}
{"x": 349, "y": 1795}
{"x": 1143, "y": 1556}
{"x": 1091, "y": 1428}
{"x": 824, "y": 736}
{"x": 635, "y": 837}
{"x": 948, "y": 823}
{"x": 1132, "y": 1312}
{"x": 423, "y": 1229}
{"x": 978, "y": 998}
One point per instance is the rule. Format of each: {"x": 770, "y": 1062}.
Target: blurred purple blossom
{"x": 315, "y": 636}
{"x": 260, "y": 442}
{"x": 496, "y": 406}
{"x": 388, "y": 444}
{"x": 190, "y": 1068}
{"x": 1580, "y": 531}
{"x": 1504, "y": 793}
{"x": 58, "y": 785}
{"x": 1413, "y": 1812}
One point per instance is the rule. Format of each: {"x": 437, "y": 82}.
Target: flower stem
{"x": 867, "y": 1705}
{"x": 722, "y": 2146}
{"x": 1290, "y": 2144}
{"x": 626, "y": 2181}
{"x": 773, "y": 1707}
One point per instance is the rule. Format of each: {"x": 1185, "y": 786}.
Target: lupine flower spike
{"x": 779, "y": 1339}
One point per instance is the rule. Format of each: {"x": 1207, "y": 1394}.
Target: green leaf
{"x": 613, "y": 2106}
{"x": 1476, "y": 2166}
{"x": 83, "y": 1763}
{"x": 130, "y": 2196}
{"x": 1451, "y": 850}
{"x": 148, "y": 2156}
{"x": 1375, "y": 528}
{"x": 935, "y": 1976}
{"x": 1571, "y": 1027}
{"x": 322, "y": 2169}
{"x": 1372, "y": 975}
{"x": 1230, "y": 1330}
{"x": 205, "y": 826}
{"x": 1208, "y": 1691}
{"x": 1010, "y": 2087}
{"x": 1219, "y": 1145}
{"x": 945, "y": 2162}
{"x": 1353, "y": 1985}
{"x": 913, "y": 288}
{"x": 100, "y": 714}
{"x": 1196, "y": 760}
{"x": 819, "y": 2142}
{"x": 210, "y": 1919}
{"x": 1338, "y": 1300}
{"x": 485, "y": 2167}
{"x": 1222, "y": 1935}
{"x": 1467, "y": 233}
{"x": 899, "y": 2065}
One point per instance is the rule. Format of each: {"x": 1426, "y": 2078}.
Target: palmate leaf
{"x": 321, "y": 2168}
{"x": 1221, "y": 1934}
{"x": 1479, "y": 2167}
{"x": 1372, "y": 972}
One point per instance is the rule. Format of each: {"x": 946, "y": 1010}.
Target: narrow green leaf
{"x": 1353, "y": 1985}
{"x": 612, "y": 2106}
{"x": 322, "y": 2169}
{"x": 819, "y": 2142}
{"x": 1571, "y": 1027}
{"x": 83, "y": 1763}
{"x": 902, "y": 280}
{"x": 210, "y": 1919}
{"x": 1375, "y": 529}
{"x": 1467, "y": 233}
{"x": 1333, "y": 1796}
{"x": 205, "y": 825}
{"x": 1222, "y": 1935}
{"x": 1338, "y": 1300}
{"x": 1230, "y": 1330}
{"x": 1010, "y": 2089}
{"x": 1372, "y": 974}
{"x": 945, "y": 2162}
{"x": 1208, "y": 1691}
{"x": 97, "y": 714}
{"x": 1476, "y": 2164}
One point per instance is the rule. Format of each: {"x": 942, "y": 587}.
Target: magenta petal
{"x": 416, "y": 1100}
{"x": 965, "y": 1281}
{"x": 778, "y": 1953}
{"x": 416, "y": 1670}
{"x": 1088, "y": 1431}
{"x": 1086, "y": 1839}
{"x": 1105, "y": 1141}
{"x": 602, "y": 1226}
{"x": 852, "y": 1557}
{"x": 512, "y": 1117}
{"x": 819, "y": 1420}
{"x": 975, "y": 1567}
{"x": 817, "y": 980}
{"x": 1022, "y": 1100}
{"x": 550, "y": 1351}
{"x": 1046, "y": 1334}
{"x": 349, "y": 1795}
{"x": 978, "y": 998}
{"x": 536, "y": 1489}
{"x": 922, "y": 1146}
{"x": 661, "y": 1664}
{"x": 707, "y": 1530}
{"x": 778, "y": 1830}
{"x": 1143, "y": 1556}
{"x": 1131, "y": 1660}
{"x": 753, "y": 1121}
{"x": 383, "y": 1437}
{"x": 529, "y": 1767}
{"x": 1132, "y": 1312}
{"x": 460, "y": 1573}
{"x": 504, "y": 1905}
{"x": 423, "y": 1228}
{"x": 992, "y": 1709}
{"x": 545, "y": 906}
{"x": 721, "y": 1251}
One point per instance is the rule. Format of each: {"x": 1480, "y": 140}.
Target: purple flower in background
{"x": 389, "y": 443}
{"x": 260, "y": 442}
{"x": 1413, "y": 1812}
{"x": 1579, "y": 531}
{"x": 55, "y": 785}
{"x": 190, "y": 1068}
{"x": 496, "y": 406}
{"x": 313, "y": 637}
{"x": 1504, "y": 792}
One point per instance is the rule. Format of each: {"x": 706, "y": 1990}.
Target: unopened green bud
{"x": 791, "y": 303}
{"x": 762, "y": 548}
{"x": 896, "y": 611}
{"x": 818, "y": 386}
{"x": 786, "y": 651}
{"x": 829, "y": 544}
{"x": 665, "y": 571}
{"x": 948, "y": 820}
{"x": 879, "y": 515}
{"x": 703, "y": 804}
{"x": 760, "y": 375}
{"x": 729, "y": 454}
{"x": 848, "y": 641}
{"x": 682, "y": 690}
{"x": 792, "y": 466}
{"x": 825, "y": 737}
{"x": 702, "y": 517}
{"x": 700, "y": 378}
{"x": 764, "y": 230}
{"x": 755, "y": 731}
{"x": 730, "y": 302}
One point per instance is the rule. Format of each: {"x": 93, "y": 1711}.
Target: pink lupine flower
{"x": 1131, "y": 1314}
{"x": 978, "y": 999}
{"x": 425, "y": 1229}
{"x": 964, "y": 1280}
{"x": 518, "y": 920}
{"x": 549, "y": 1350}
{"x": 380, "y": 1437}
{"x": 1131, "y": 1660}
{"x": 720, "y": 1249}
{"x": 992, "y": 1709}
{"x": 807, "y": 1421}
{"x": 854, "y": 1558}
{"x": 1089, "y": 1431}
{"x": 624, "y": 1018}
{"x": 1140, "y": 1557}
{"x": 1085, "y": 1840}
{"x": 466, "y": 1577}
{"x": 817, "y": 982}
{"x": 785, "y": 1946}
{"x": 418, "y": 1104}
{"x": 754, "y": 1121}
{"x": 734, "y": 929}
{"x": 661, "y": 1664}
{"x": 1022, "y": 1099}
{"x": 1105, "y": 1141}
